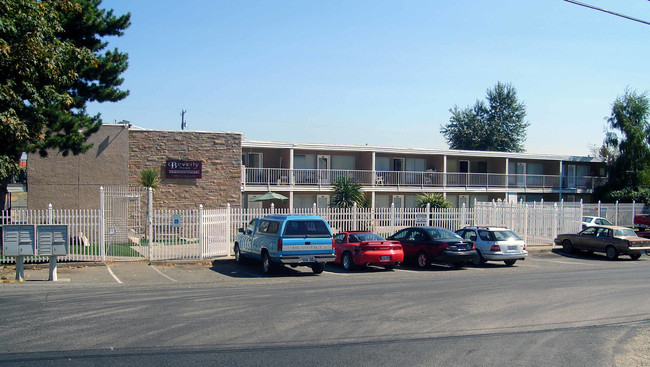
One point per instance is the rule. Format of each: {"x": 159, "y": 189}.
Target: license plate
{"x": 385, "y": 258}
{"x": 512, "y": 248}
{"x": 307, "y": 259}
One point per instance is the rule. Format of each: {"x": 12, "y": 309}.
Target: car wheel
{"x": 238, "y": 256}
{"x": 423, "y": 261}
{"x": 567, "y": 246}
{"x": 347, "y": 261}
{"x": 318, "y": 268}
{"x": 267, "y": 265}
{"x": 611, "y": 252}
{"x": 510, "y": 262}
{"x": 479, "y": 260}
{"x": 389, "y": 267}
{"x": 635, "y": 256}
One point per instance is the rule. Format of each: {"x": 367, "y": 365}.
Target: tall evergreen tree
{"x": 53, "y": 61}
{"x": 498, "y": 125}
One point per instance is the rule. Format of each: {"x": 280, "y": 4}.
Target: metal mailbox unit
{"x": 35, "y": 240}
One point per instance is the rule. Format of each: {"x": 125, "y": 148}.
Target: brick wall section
{"x": 221, "y": 156}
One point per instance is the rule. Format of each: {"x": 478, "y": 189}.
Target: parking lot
{"x": 224, "y": 271}
{"x": 222, "y": 313}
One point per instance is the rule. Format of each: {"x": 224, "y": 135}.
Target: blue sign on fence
{"x": 176, "y": 220}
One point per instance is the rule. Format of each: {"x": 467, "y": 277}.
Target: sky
{"x": 381, "y": 73}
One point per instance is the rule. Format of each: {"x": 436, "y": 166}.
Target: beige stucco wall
{"x": 220, "y": 154}
{"x": 73, "y": 182}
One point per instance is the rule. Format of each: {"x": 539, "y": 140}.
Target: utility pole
{"x": 183, "y": 122}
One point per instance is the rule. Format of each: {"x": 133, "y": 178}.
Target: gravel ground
{"x": 637, "y": 351}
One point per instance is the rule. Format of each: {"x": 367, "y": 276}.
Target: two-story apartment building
{"x": 305, "y": 172}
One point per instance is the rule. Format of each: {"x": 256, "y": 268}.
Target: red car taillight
{"x": 495, "y": 248}
{"x": 444, "y": 246}
{"x": 280, "y": 244}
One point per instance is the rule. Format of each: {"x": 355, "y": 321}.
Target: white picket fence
{"x": 208, "y": 233}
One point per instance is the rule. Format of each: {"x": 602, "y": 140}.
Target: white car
{"x": 588, "y": 221}
{"x": 495, "y": 244}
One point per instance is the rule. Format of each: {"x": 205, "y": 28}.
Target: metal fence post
{"x": 462, "y": 216}
{"x": 599, "y": 209}
{"x": 616, "y": 219}
{"x": 355, "y": 216}
{"x": 50, "y": 214}
{"x": 428, "y": 214}
{"x": 201, "y": 233}
{"x": 228, "y": 224}
{"x": 526, "y": 224}
{"x": 555, "y": 221}
{"x": 392, "y": 217}
{"x": 102, "y": 225}
{"x": 150, "y": 222}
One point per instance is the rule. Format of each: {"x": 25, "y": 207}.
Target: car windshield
{"x": 365, "y": 236}
{"x": 505, "y": 235}
{"x": 624, "y": 232}
{"x": 441, "y": 233}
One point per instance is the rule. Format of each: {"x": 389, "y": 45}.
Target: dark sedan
{"x": 427, "y": 244}
{"x": 612, "y": 240}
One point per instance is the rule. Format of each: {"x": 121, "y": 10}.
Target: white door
{"x": 322, "y": 201}
{"x": 398, "y": 201}
{"x": 463, "y": 199}
{"x": 324, "y": 164}
{"x": 571, "y": 176}
{"x": 521, "y": 174}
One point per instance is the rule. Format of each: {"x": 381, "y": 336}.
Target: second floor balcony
{"x": 325, "y": 178}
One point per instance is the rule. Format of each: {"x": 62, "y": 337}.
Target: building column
{"x": 444, "y": 170}
{"x": 560, "y": 181}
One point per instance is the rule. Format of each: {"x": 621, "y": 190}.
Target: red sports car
{"x": 366, "y": 248}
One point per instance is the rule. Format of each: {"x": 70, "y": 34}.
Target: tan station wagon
{"x": 612, "y": 240}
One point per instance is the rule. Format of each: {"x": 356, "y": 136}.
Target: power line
{"x": 607, "y": 11}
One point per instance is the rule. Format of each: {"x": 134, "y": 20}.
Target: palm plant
{"x": 436, "y": 200}
{"x": 149, "y": 178}
{"x": 346, "y": 194}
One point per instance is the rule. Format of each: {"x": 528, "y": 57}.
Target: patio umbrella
{"x": 270, "y": 196}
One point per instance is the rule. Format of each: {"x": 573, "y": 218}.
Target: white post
{"x": 20, "y": 268}
{"x": 202, "y": 244}
{"x": 555, "y": 222}
{"x": 526, "y": 224}
{"x": 616, "y": 219}
{"x": 102, "y": 226}
{"x": 392, "y": 217}
{"x": 462, "y": 216}
{"x": 355, "y": 216}
{"x": 50, "y": 214}
{"x": 599, "y": 209}
{"x": 150, "y": 222}
{"x": 228, "y": 225}
{"x": 314, "y": 209}
{"x": 53, "y": 274}
{"x": 428, "y": 214}
{"x": 272, "y": 208}
{"x": 633, "y": 211}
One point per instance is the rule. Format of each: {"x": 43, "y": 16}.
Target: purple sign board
{"x": 183, "y": 169}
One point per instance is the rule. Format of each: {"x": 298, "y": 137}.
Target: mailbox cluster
{"x": 35, "y": 240}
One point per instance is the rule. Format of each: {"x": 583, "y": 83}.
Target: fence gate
{"x": 125, "y": 214}
{"x": 215, "y": 232}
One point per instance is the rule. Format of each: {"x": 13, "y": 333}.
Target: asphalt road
{"x": 551, "y": 309}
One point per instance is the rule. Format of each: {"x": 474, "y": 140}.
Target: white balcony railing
{"x": 321, "y": 177}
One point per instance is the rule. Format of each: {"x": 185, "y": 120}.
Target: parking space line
{"x": 562, "y": 262}
{"x": 340, "y": 274}
{"x": 161, "y": 273}
{"x": 113, "y": 274}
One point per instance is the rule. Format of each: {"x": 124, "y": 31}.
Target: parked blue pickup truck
{"x": 296, "y": 240}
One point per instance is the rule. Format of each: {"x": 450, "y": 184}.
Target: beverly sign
{"x": 183, "y": 169}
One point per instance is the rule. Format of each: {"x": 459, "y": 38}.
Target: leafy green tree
{"x": 435, "y": 200}
{"x": 149, "y": 177}
{"x": 52, "y": 63}
{"x": 629, "y": 135}
{"x": 496, "y": 125}
{"x": 346, "y": 193}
